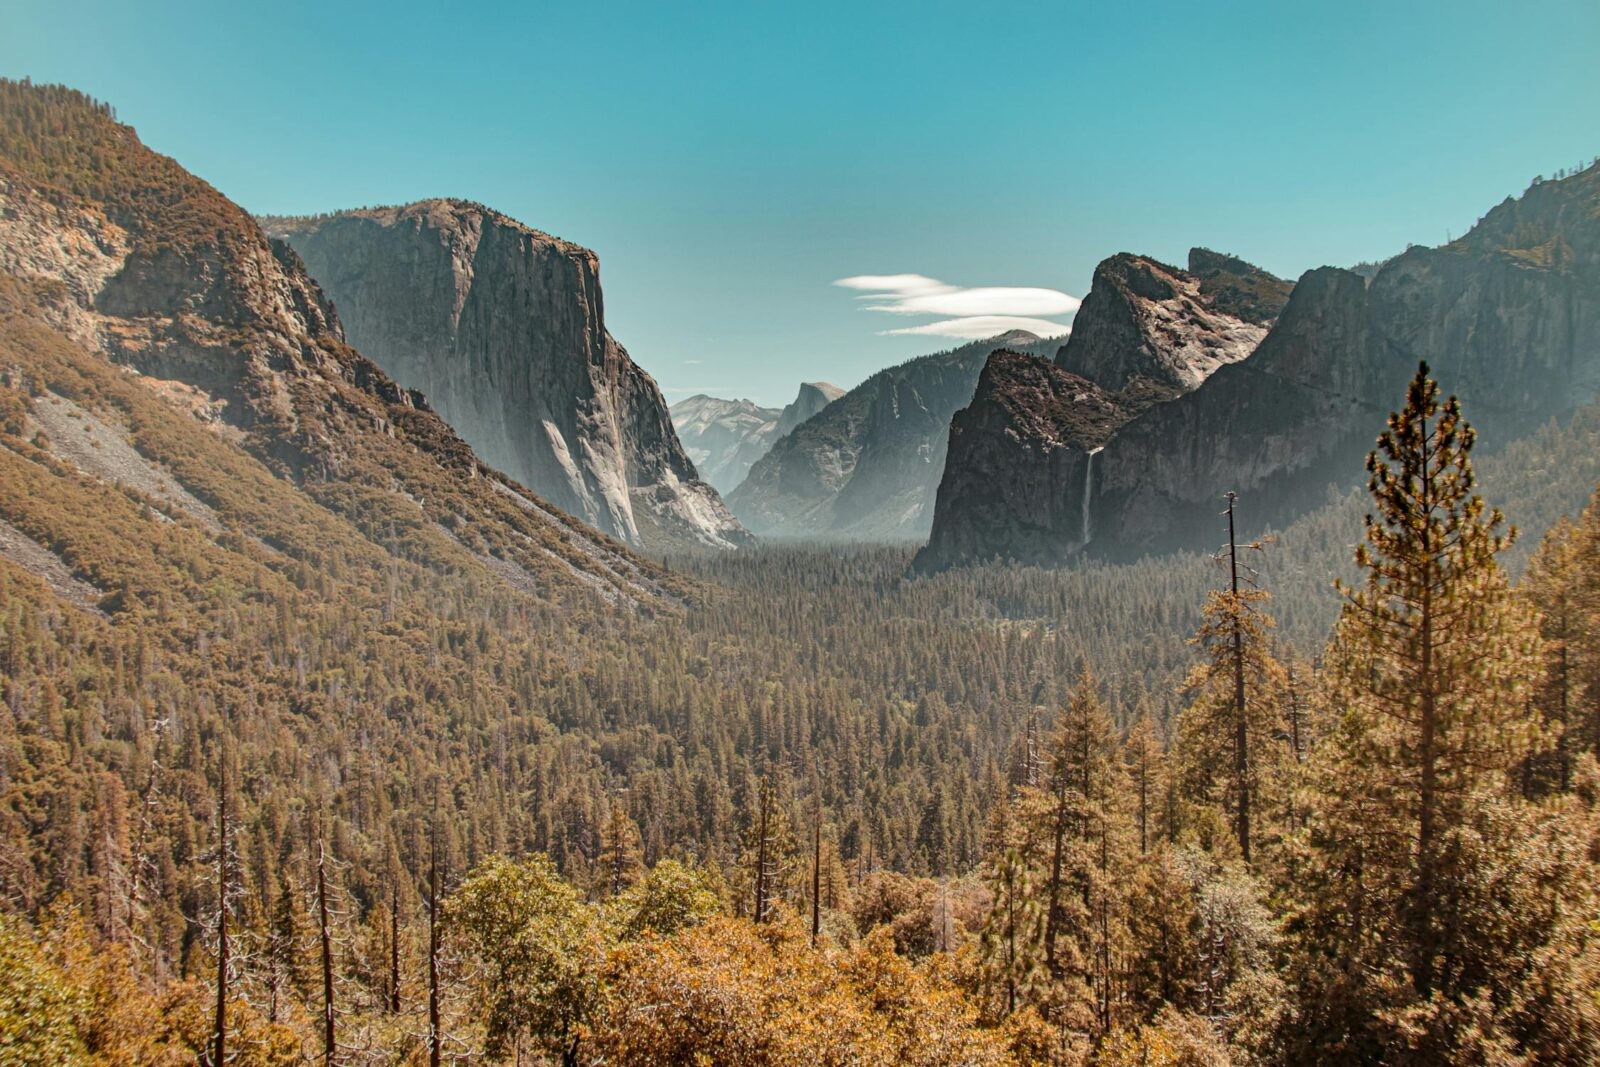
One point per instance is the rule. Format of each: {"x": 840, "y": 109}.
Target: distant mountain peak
{"x": 867, "y": 464}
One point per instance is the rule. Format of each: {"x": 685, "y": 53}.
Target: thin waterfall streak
{"x": 1088, "y": 483}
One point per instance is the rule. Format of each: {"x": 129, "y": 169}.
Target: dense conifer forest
{"x": 1112, "y": 814}
{"x": 319, "y": 744}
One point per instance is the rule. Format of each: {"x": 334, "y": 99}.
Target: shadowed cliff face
{"x": 503, "y": 329}
{"x": 867, "y": 466}
{"x": 1507, "y": 317}
{"x": 1027, "y": 447}
{"x": 1023, "y": 463}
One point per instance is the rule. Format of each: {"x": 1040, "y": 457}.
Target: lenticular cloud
{"x": 970, "y": 312}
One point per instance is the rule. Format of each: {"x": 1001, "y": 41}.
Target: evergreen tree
{"x": 621, "y": 857}
{"x": 1423, "y": 914}
{"x": 1145, "y": 763}
{"x": 1228, "y": 736}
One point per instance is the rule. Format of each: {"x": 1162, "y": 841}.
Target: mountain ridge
{"x": 122, "y": 253}
{"x": 727, "y": 437}
{"x": 1508, "y": 316}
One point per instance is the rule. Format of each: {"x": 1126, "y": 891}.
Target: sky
{"x": 793, "y": 192}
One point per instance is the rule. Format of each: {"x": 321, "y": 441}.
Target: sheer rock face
{"x": 1022, "y": 461}
{"x": 867, "y": 466}
{"x": 1507, "y": 317}
{"x": 1144, "y": 319}
{"x": 812, "y": 398}
{"x": 725, "y": 438}
{"x": 502, "y": 328}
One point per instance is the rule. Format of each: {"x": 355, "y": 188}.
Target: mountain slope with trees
{"x": 321, "y": 740}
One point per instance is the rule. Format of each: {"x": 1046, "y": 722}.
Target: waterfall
{"x": 1088, "y": 482}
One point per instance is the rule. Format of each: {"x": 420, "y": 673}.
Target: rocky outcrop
{"x": 867, "y": 466}
{"x": 502, "y": 328}
{"x": 1171, "y": 328}
{"x": 812, "y": 398}
{"x": 1027, "y": 446}
{"x": 1507, "y": 317}
{"x": 1021, "y": 467}
{"x": 725, "y": 438}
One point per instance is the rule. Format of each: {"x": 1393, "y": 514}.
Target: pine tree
{"x": 1228, "y": 735}
{"x": 1011, "y": 944}
{"x": 1445, "y": 658}
{"x": 1084, "y": 789}
{"x": 1554, "y": 586}
{"x": 621, "y": 859}
{"x": 1440, "y": 909}
{"x": 1145, "y": 766}
{"x": 767, "y": 851}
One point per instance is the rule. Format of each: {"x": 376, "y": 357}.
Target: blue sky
{"x": 730, "y": 162}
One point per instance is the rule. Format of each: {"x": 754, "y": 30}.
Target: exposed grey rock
{"x": 812, "y": 398}
{"x": 1144, "y": 319}
{"x": 502, "y": 328}
{"x": 1027, "y": 446}
{"x": 867, "y": 466}
{"x": 184, "y": 290}
{"x": 1507, "y": 317}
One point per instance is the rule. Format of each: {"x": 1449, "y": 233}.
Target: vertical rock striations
{"x": 1022, "y": 465}
{"x": 112, "y": 252}
{"x": 503, "y": 329}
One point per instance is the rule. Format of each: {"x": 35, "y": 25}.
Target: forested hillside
{"x": 322, "y": 740}
{"x": 1046, "y": 835}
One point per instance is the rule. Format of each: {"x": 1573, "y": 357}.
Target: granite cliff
{"x": 1146, "y": 321}
{"x": 502, "y": 328}
{"x": 867, "y": 466}
{"x": 1507, "y": 317}
{"x": 1022, "y": 459}
{"x": 148, "y": 316}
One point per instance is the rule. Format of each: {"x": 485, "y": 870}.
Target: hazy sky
{"x": 732, "y": 162}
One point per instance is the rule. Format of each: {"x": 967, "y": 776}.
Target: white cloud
{"x": 978, "y": 312}
{"x": 977, "y": 327}
{"x": 693, "y": 362}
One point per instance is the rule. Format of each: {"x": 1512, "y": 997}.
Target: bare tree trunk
{"x": 220, "y": 1033}
{"x": 816, "y": 874}
{"x": 330, "y": 1046}
{"x": 434, "y": 1034}
{"x": 394, "y": 950}
{"x": 1428, "y": 779}
{"x": 137, "y": 860}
